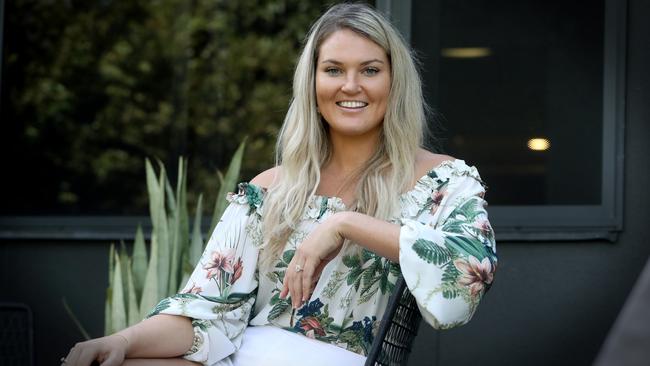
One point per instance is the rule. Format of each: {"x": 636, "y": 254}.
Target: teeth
{"x": 352, "y": 104}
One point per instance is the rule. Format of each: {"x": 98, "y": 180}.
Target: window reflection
{"x": 504, "y": 73}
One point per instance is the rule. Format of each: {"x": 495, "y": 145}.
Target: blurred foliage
{"x": 91, "y": 88}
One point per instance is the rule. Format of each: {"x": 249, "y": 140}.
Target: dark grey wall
{"x": 552, "y": 303}
{"x": 41, "y": 274}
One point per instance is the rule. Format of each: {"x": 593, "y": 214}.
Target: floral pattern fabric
{"x": 447, "y": 256}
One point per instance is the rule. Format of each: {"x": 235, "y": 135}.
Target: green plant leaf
{"x": 196, "y": 247}
{"x": 75, "y": 320}
{"x": 172, "y": 227}
{"x": 162, "y": 305}
{"x": 175, "y": 207}
{"x": 275, "y": 298}
{"x": 161, "y": 227}
{"x": 369, "y": 289}
{"x": 220, "y": 177}
{"x": 278, "y": 309}
{"x": 229, "y": 182}
{"x": 124, "y": 264}
{"x": 468, "y": 209}
{"x": 153, "y": 192}
{"x": 454, "y": 226}
{"x": 156, "y": 190}
{"x": 450, "y": 274}
{"x": 150, "y": 292}
{"x": 467, "y": 245}
{"x": 139, "y": 262}
{"x": 233, "y": 298}
{"x": 384, "y": 284}
{"x": 133, "y": 312}
{"x": 354, "y": 277}
{"x": 449, "y": 290}
{"x": 179, "y": 228}
{"x": 431, "y": 252}
{"x": 367, "y": 255}
{"x": 370, "y": 278}
{"x": 118, "y": 310}
{"x": 351, "y": 261}
{"x": 108, "y": 322}
{"x": 111, "y": 263}
{"x": 169, "y": 192}
{"x": 287, "y": 256}
{"x": 395, "y": 269}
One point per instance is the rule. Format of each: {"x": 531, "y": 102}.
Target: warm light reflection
{"x": 539, "y": 144}
{"x": 466, "y": 52}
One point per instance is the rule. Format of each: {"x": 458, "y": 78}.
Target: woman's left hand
{"x": 312, "y": 255}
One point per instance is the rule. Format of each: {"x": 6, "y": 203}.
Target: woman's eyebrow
{"x": 335, "y": 62}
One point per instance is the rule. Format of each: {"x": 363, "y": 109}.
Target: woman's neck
{"x": 351, "y": 153}
{"x": 339, "y": 176}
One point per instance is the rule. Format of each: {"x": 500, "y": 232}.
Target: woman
{"x": 313, "y": 246}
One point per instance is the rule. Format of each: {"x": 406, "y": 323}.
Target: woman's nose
{"x": 351, "y": 85}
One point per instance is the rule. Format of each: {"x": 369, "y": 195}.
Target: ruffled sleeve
{"x": 447, "y": 251}
{"x": 220, "y": 293}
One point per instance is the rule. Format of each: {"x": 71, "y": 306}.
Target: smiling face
{"x": 352, "y": 84}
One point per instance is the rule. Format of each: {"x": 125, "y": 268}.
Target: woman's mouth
{"x": 352, "y": 104}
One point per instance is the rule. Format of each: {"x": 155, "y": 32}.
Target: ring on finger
{"x": 299, "y": 268}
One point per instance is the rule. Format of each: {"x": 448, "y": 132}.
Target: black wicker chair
{"x": 399, "y": 326}
{"x": 16, "y": 335}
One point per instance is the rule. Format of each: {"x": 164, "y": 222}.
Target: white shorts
{"x": 269, "y": 345}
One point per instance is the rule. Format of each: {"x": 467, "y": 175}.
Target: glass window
{"x": 533, "y": 94}
{"x": 92, "y": 88}
{"x": 519, "y": 87}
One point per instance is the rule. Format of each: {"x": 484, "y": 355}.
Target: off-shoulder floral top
{"x": 447, "y": 256}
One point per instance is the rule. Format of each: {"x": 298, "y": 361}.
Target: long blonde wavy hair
{"x": 303, "y": 145}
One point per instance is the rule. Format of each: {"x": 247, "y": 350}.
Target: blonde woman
{"x": 302, "y": 263}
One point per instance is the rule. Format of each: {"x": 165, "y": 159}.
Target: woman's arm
{"x": 374, "y": 234}
{"x": 159, "y": 336}
{"x": 445, "y": 246}
{"x": 325, "y": 242}
{"x": 183, "y": 324}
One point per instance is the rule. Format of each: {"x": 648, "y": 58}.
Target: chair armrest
{"x": 398, "y": 328}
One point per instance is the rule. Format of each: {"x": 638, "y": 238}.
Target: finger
{"x": 285, "y": 287}
{"x": 308, "y": 279}
{"x": 113, "y": 360}
{"x": 73, "y": 355}
{"x": 295, "y": 287}
{"x": 286, "y": 281}
{"x": 86, "y": 357}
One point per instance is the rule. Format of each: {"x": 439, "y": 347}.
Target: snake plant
{"x": 138, "y": 281}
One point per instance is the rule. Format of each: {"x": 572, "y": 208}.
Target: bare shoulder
{"x": 267, "y": 178}
{"x": 426, "y": 160}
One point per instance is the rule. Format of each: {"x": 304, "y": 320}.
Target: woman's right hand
{"x": 108, "y": 351}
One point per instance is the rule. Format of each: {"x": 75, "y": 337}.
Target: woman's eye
{"x": 333, "y": 71}
{"x": 371, "y": 71}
